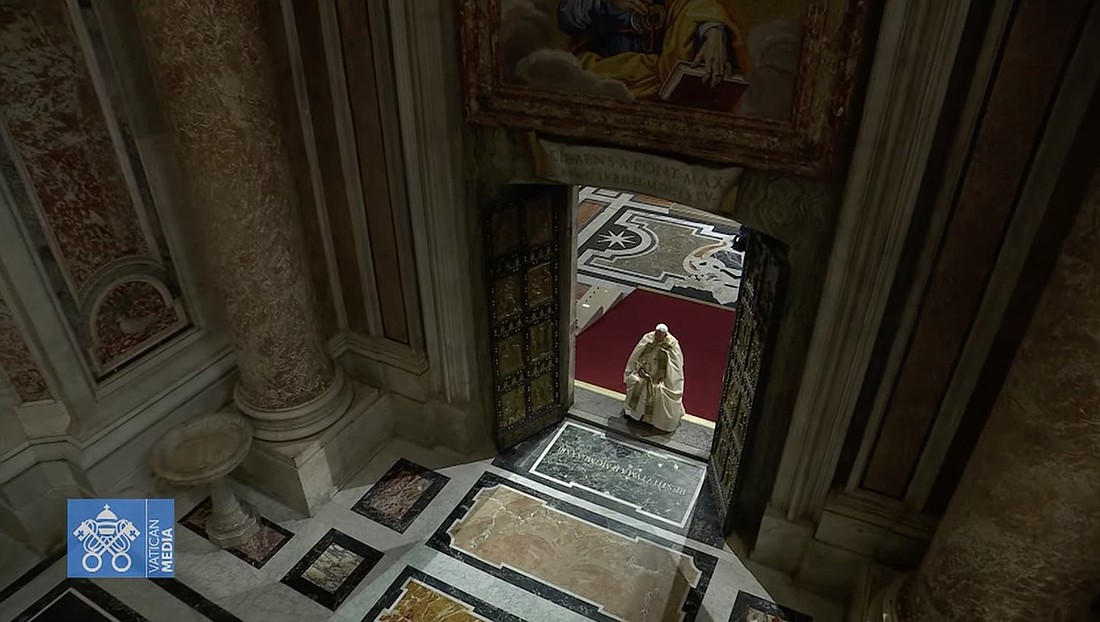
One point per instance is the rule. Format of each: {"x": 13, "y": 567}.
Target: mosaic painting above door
{"x": 742, "y": 81}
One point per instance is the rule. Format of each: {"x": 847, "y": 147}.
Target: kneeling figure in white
{"x": 654, "y": 378}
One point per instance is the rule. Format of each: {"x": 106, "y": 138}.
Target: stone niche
{"x": 798, "y": 214}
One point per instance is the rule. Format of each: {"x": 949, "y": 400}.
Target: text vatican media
{"x": 162, "y": 545}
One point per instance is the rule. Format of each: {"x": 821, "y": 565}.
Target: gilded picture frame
{"x": 794, "y": 121}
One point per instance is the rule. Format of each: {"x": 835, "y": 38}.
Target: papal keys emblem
{"x": 106, "y": 534}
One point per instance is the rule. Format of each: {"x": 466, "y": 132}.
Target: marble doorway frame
{"x": 914, "y": 58}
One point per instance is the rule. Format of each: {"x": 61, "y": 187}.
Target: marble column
{"x": 214, "y": 71}
{"x": 1021, "y": 537}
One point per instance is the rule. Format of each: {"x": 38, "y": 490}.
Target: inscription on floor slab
{"x": 656, "y": 483}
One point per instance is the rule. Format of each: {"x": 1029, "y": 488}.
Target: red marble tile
{"x": 401, "y": 495}
{"x": 50, "y": 105}
{"x": 586, "y": 211}
{"x": 132, "y": 315}
{"x": 652, "y": 200}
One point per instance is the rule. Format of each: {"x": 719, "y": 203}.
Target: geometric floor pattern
{"x": 628, "y": 240}
{"x": 485, "y": 543}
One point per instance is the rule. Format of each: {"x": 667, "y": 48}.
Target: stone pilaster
{"x": 1021, "y": 537}
{"x": 214, "y": 70}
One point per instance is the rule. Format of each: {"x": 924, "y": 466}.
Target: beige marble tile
{"x": 628, "y": 578}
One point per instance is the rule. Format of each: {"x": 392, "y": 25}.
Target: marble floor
{"x": 577, "y": 524}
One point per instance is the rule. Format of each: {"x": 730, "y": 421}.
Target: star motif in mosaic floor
{"x": 620, "y": 239}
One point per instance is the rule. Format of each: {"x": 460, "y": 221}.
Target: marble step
{"x": 595, "y": 303}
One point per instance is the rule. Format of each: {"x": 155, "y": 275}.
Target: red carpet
{"x": 703, "y": 330}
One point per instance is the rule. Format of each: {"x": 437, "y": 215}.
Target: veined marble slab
{"x": 600, "y": 568}
{"x": 401, "y": 495}
{"x": 332, "y": 569}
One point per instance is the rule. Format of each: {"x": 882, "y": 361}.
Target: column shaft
{"x": 215, "y": 74}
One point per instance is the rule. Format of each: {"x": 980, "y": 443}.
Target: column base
{"x": 304, "y": 474}
{"x": 883, "y": 607}
{"x": 235, "y": 530}
{"x": 302, "y": 421}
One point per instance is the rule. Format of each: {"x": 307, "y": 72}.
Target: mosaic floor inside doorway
{"x": 628, "y": 240}
{"x": 579, "y": 524}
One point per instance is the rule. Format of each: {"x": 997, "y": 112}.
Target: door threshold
{"x": 642, "y": 433}
{"x": 603, "y": 408}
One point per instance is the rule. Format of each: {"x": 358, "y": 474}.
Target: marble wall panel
{"x": 1071, "y": 191}
{"x": 1037, "y": 47}
{"x": 17, "y": 362}
{"x": 130, "y": 315}
{"x": 70, "y": 162}
{"x": 318, "y": 86}
{"x": 382, "y": 228}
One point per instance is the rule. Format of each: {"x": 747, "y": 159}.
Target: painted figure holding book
{"x": 685, "y": 52}
{"x": 746, "y": 82}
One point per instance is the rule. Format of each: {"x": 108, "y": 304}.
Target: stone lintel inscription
{"x": 654, "y": 482}
{"x": 700, "y": 187}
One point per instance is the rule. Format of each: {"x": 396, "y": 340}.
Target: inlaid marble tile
{"x": 586, "y": 211}
{"x": 586, "y": 562}
{"x": 78, "y": 599}
{"x": 749, "y": 608}
{"x": 415, "y": 595}
{"x": 332, "y": 569}
{"x": 401, "y": 495}
{"x": 624, "y": 475}
{"x": 257, "y": 551}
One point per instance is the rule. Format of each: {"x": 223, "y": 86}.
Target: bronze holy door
{"x": 524, "y": 262}
{"x": 751, "y": 344}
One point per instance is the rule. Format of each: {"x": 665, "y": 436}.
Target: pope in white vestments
{"x": 654, "y": 378}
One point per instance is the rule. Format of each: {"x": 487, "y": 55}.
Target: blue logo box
{"x": 121, "y": 538}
